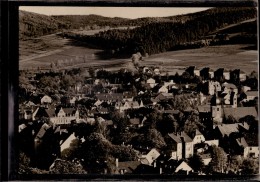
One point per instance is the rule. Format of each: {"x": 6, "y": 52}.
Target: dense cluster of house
{"x": 217, "y": 102}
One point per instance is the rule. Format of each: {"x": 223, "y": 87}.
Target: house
{"x": 151, "y": 82}
{"x": 242, "y": 76}
{"x": 21, "y": 127}
{"x": 196, "y": 72}
{"x": 163, "y": 89}
{"x": 127, "y": 167}
{"x": 149, "y": 158}
{"x": 226, "y": 74}
{"x": 206, "y": 158}
{"x": 239, "y": 112}
{"x": 205, "y": 114}
{"x": 245, "y": 88}
{"x": 198, "y": 137}
{"x": 217, "y": 113}
{"x": 122, "y": 106}
{"x": 212, "y": 142}
{"x": 180, "y": 144}
{"x": 164, "y": 96}
{"x": 156, "y": 71}
{"x": 249, "y": 95}
{"x": 28, "y": 113}
{"x": 226, "y": 99}
{"x": 229, "y": 87}
{"x": 46, "y": 99}
{"x": 211, "y": 73}
{"x": 213, "y": 87}
{"x": 60, "y": 116}
{"x": 183, "y": 167}
{"x": 251, "y": 151}
{"x": 224, "y": 130}
{"x": 251, "y": 145}
{"x": 66, "y": 143}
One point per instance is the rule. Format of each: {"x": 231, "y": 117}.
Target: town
{"x": 197, "y": 121}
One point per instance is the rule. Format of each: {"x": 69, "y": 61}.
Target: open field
{"x": 92, "y": 32}
{"x": 41, "y": 52}
{"x": 224, "y": 56}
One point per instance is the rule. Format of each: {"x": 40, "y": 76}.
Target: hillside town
{"x": 197, "y": 121}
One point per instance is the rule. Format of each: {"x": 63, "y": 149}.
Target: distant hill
{"x": 33, "y": 24}
{"x": 177, "y": 32}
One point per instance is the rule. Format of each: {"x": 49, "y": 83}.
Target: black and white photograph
{"x": 128, "y": 91}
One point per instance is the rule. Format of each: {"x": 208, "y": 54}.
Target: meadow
{"x": 41, "y": 52}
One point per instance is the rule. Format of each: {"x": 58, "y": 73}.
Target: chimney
{"x": 116, "y": 162}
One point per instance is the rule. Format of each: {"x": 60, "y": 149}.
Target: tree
{"x": 250, "y": 166}
{"x": 60, "y": 166}
{"x": 235, "y": 163}
{"x": 230, "y": 120}
{"x": 150, "y": 138}
{"x": 219, "y": 159}
{"x": 196, "y": 163}
{"x": 69, "y": 153}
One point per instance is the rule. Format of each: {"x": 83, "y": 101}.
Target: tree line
{"x": 159, "y": 37}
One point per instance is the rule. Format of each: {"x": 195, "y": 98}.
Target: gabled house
{"x": 225, "y": 130}
{"x": 60, "y": 116}
{"x": 242, "y": 76}
{"x": 226, "y": 74}
{"x": 249, "y": 95}
{"x": 150, "y": 157}
{"x": 180, "y": 145}
{"x": 122, "y": 106}
{"x": 206, "y": 158}
{"x": 46, "y": 99}
{"x": 229, "y": 87}
{"x": 213, "y": 87}
{"x": 163, "y": 89}
{"x": 184, "y": 168}
{"x": 151, "y": 82}
{"x": 127, "y": 167}
{"x": 164, "y": 96}
{"x": 239, "y": 112}
{"x": 177, "y": 167}
{"x": 197, "y": 137}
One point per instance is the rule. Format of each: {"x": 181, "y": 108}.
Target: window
{"x": 217, "y": 109}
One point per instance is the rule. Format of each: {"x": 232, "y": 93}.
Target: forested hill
{"x": 33, "y": 24}
{"x": 161, "y": 36}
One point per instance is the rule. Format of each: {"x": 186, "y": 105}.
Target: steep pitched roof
{"x": 229, "y": 85}
{"x": 227, "y": 129}
{"x": 252, "y": 93}
{"x": 43, "y": 130}
{"x": 69, "y": 111}
{"x": 50, "y": 112}
{"x": 205, "y": 108}
{"x": 242, "y": 142}
{"x": 239, "y": 112}
{"x": 129, "y": 166}
{"x": 179, "y": 137}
